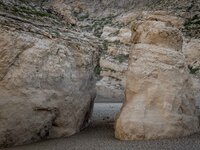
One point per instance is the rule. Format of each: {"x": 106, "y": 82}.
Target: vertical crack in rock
{"x": 88, "y": 114}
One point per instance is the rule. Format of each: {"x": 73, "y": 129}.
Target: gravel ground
{"x": 100, "y": 136}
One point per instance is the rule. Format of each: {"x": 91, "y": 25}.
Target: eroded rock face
{"x": 191, "y": 50}
{"x": 46, "y": 86}
{"x": 64, "y": 10}
{"x": 114, "y": 64}
{"x": 159, "y": 95}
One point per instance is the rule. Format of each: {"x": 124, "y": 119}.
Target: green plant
{"x": 97, "y": 70}
{"x": 105, "y": 45}
{"x": 192, "y": 26}
{"x": 81, "y": 15}
{"x": 97, "y": 25}
{"x": 194, "y": 20}
{"x": 193, "y": 70}
{"x": 28, "y": 10}
{"x": 121, "y": 57}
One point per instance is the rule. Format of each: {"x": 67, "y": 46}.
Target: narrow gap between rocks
{"x": 105, "y": 112}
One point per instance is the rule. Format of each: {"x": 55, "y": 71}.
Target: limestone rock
{"x": 125, "y": 35}
{"x": 64, "y": 10}
{"x": 191, "y": 50}
{"x": 111, "y": 86}
{"x": 115, "y": 50}
{"x": 196, "y": 90}
{"x": 46, "y": 86}
{"x": 126, "y": 18}
{"x": 164, "y": 17}
{"x": 158, "y": 33}
{"x": 110, "y": 34}
{"x": 159, "y": 99}
{"x": 113, "y": 64}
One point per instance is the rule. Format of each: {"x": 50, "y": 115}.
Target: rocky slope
{"x": 111, "y": 20}
{"x": 114, "y": 61}
{"x": 113, "y": 27}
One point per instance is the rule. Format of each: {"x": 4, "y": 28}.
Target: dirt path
{"x": 100, "y": 136}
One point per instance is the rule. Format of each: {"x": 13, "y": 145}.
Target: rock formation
{"x": 113, "y": 64}
{"x": 49, "y": 54}
{"x": 159, "y": 96}
{"x": 47, "y": 85}
{"x": 191, "y": 50}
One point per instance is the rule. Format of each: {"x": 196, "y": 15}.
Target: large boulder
{"x": 47, "y": 85}
{"x": 159, "y": 97}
